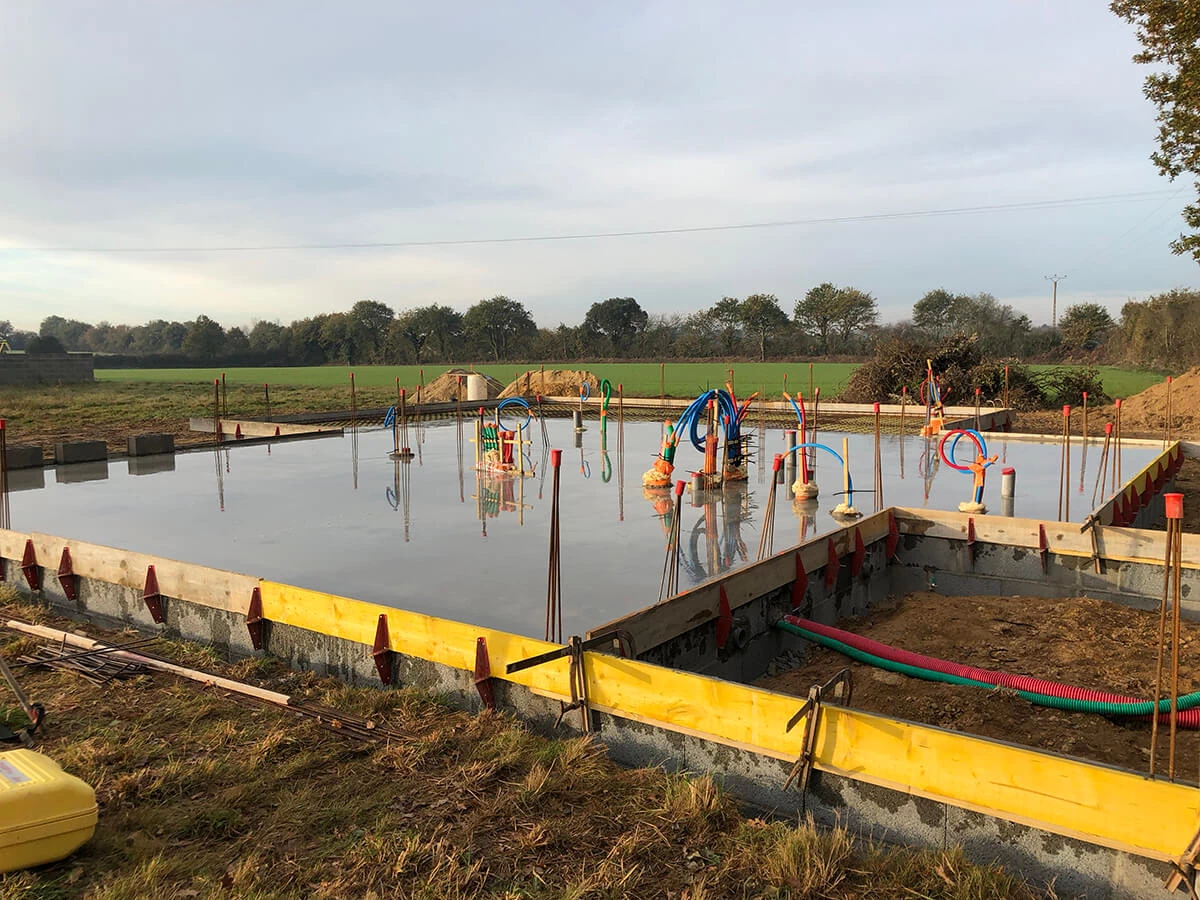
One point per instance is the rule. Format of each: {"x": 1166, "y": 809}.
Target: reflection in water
{"x": 928, "y": 466}
{"x": 806, "y": 512}
{"x": 220, "y": 476}
{"x": 620, "y": 468}
{"x": 497, "y": 493}
{"x": 354, "y": 452}
{"x": 719, "y": 530}
{"x": 399, "y": 492}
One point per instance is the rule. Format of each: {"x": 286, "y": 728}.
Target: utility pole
{"x": 1054, "y": 299}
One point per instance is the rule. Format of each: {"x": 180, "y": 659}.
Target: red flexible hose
{"x": 1187, "y": 718}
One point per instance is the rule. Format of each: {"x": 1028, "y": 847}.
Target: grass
{"x": 205, "y": 796}
{"x": 639, "y": 379}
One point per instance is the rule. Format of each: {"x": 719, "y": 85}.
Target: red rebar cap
{"x": 1108, "y": 427}
{"x": 679, "y": 486}
{"x": 1085, "y": 395}
{"x": 904, "y": 390}
{"x": 977, "y": 390}
{"x": 1174, "y": 504}
{"x": 403, "y": 392}
{"x": 774, "y": 466}
{"x": 1168, "y": 379}
{"x": 2, "y": 427}
{"x": 1066, "y": 411}
{"x": 538, "y": 398}
{"x": 620, "y": 387}
{"x": 876, "y": 407}
{"x": 1008, "y": 470}
{"x": 1118, "y": 402}
{"x": 556, "y": 458}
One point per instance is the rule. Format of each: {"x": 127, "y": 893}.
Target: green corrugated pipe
{"x": 1140, "y": 708}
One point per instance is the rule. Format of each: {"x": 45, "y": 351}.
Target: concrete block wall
{"x": 18, "y": 369}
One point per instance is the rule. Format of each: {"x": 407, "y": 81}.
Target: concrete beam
{"x": 149, "y": 444}
{"x": 67, "y": 452}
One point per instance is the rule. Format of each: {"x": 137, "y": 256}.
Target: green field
{"x": 638, "y": 379}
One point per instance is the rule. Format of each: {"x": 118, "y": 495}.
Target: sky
{"x": 131, "y": 132}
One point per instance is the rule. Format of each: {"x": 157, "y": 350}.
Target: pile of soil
{"x": 445, "y": 387}
{"x": 1077, "y": 640}
{"x": 552, "y": 383}
{"x": 1149, "y": 408}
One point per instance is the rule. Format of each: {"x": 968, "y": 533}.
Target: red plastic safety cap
{"x": 1174, "y": 504}
{"x": 556, "y": 458}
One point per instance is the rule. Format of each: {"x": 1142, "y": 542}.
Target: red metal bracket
{"x": 831, "y": 567}
{"x": 383, "y": 650}
{"x": 860, "y": 553}
{"x": 483, "y": 673}
{"x": 971, "y": 540}
{"x": 152, "y": 597}
{"x": 66, "y": 575}
{"x": 255, "y": 620}
{"x": 1043, "y": 547}
{"x": 893, "y": 538}
{"x": 800, "y": 585}
{"x": 724, "y": 619}
{"x": 29, "y": 566}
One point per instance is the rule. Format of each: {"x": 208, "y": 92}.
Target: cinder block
{"x": 66, "y": 452}
{"x": 149, "y": 444}
{"x": 24, "y": 456}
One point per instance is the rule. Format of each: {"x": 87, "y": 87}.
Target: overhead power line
{"x": 597, "y": 235}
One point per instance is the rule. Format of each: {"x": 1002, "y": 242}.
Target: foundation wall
{"x": 1094, "y": 829}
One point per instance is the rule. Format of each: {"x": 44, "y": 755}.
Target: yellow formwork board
{"x": 1094, "y": 803}
{"x": 425, "y": 637}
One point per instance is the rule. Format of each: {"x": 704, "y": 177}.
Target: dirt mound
{"x": 445, "y": 388}
{"x": 1149, "y": 408}
{"x": 552, "y": 383}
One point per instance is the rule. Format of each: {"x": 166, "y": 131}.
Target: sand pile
{"x": 552, "y": 383}
{"x": 444, "y": 388}
{"x": 1148, "y": 409}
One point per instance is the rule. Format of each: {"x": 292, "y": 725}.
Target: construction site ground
{"x": 205, "y": 794}
{"x": 1076, "y": 640}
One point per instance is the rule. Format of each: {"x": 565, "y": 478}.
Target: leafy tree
{"x": 1169, "y": 31}
{"x": 1163, "y": 330}
{"x": 932, "y": 313}
{"x": 726, "y": 318}
{"x": 444, "y": 326}
{"x": 366, "y": 325}
{"x": 236, "y": 341}
{"x": 499, "y": 324}
{"x": 69, "y": 332}
{"x": 620, "y": 319}
{"x": 761, "y": 315}
{"x": 821, "y": 311}
{"x": 268, "y": 338}
{"x": 42, "y": 345}
{"x": 410, "y": 327}
{"x": 205, "y": 338}
{"x": 856, "y": 310}
{"x": 339, "y": 338}
{"x": 1085, "y": 325}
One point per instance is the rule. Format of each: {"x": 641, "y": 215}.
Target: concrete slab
{"x": 24, "y": 456}
{"x": 66, "y": 452}
{"x": 149, "y": 444}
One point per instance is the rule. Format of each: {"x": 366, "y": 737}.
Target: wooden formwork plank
{"x": 204, "y": 586}
{"x": 654, "y": 625}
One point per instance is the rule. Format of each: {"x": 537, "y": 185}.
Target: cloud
{"x": 277, "y": 124}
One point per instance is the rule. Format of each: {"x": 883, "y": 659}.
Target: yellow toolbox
{"x": 45, "y": 814}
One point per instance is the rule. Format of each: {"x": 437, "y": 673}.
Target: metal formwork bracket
{"x": 724, "y": 619}
{"x": 33, "y": 575}
{"x": 1043, "y": 547}
{"x": 67, "y": 577}
{"x": 382, "y": 650}
{"x": 483, "y": 673}
{"x": 800, "y": 585}
{"x": 832, "y": 566}
{"x": 254, "y": 619}
{"x": 860, "y": 553}
{"x": 893, "y": 537}
{"x": 152, "y": 597}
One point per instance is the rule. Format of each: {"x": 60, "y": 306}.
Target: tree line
{"x": 829, "y": 320}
